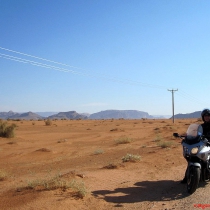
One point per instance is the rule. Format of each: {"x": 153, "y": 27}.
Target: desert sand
{"x": 84, "y": 164}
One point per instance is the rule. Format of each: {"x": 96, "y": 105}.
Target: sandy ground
{"x": 89, "y": 154}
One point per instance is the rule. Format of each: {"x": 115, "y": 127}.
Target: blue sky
{"x": 118, "y": 54}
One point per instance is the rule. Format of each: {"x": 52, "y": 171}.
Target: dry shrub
{"x": 12, "y": 142}
{"x": 62, "y": 141}
{"x": 48, "y": 122}
{"x": 7, "y": 131}
{"x": 110, "y": 166}
{"x": 3, "y": 175}
{"x": 123, "y": 140}
{"x": 57, "y": 182}
{"x": 131, "y": 158}
{"x": 158, "y": 138}
{"x": 164, "y": 144}
{"x": 98, "y": 152}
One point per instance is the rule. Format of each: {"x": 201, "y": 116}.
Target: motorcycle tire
{"x": 193, "y": 179}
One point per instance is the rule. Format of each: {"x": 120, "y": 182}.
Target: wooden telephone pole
{"x": 172, "y": 91}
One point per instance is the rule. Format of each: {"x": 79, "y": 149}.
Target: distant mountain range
{"x": 116, "y": 114}
{"x": 15, "y": 115}
{"x": 188, "y": 115}
{"x": 107, "y": 114}
{"x": 45, "y": 115}
{"x": 68, "y": 115}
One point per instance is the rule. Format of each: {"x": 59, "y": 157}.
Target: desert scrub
{"x": 3, "y": 175}
{"x": 164, "y": 144}
{"x": 48, "y": 183}
{"x": 79, "y": 188}
{"x": 158, "y": 138}
{"x": 7, "y": 131}
{"x": 110, "y": 166}
{"x": 12, "y": 142}
{"x": 57, "y": 182}
{"x": 48, "y": 122}
{"x": 131, "y": 158}
{"x": 98, "y": 152}
{"x": 123, "y": 140}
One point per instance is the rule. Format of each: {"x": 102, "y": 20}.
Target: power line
{"x": 9, "y": 57}
{"x": 67, "y": 70}
{"x": 113, "y": 79}
{"x": 191, "y": 98}
{"x": 186, "y": 95}
{"x": 37, "y": 57}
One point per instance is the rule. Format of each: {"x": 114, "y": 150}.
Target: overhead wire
{"x": 32, "y": 56}
{"x": 14, "y": 58}
{"x": 126, "y": 81}
{"x": 67, "y": 70}
{"x": 190, "y": 98}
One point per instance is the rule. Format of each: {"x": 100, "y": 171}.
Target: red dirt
{"x": 87, "y": 151}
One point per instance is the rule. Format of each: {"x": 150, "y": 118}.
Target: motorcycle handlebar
{"x": 183, "y": 136}
{"x": 178, "y": 136}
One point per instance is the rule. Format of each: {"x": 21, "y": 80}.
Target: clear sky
{"x": 118, "y": 54}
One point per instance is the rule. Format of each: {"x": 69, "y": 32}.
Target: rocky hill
{"x": 6, "y": 115}
{"x": 68, "y": 115}
{"x": 29, "y": 116}
{"x": 117, "y": 114}
{"x": 34, "y": 116}
{"x": 25, "y": 116}
{"x": 188, "y": 115}
{"x": 107, "y": 114}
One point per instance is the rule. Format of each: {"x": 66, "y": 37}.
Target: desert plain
{"x": 95, "y": 164}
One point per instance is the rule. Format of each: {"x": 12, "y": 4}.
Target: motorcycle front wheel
{"x": 193, "y": 179}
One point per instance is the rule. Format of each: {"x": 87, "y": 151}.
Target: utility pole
{"x": 172, "y": 91}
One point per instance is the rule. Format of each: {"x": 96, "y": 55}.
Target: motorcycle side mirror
{"x": 175, "y": 134}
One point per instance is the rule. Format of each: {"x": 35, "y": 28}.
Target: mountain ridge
{"x": 106, "y": 114}
{"x": 116, "y": 114}
{"x": 68, "y": 115}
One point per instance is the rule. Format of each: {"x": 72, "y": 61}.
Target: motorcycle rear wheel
{"x": 193, "y": 179}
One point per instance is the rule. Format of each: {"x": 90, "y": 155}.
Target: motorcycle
{"x": 196, "y": 150}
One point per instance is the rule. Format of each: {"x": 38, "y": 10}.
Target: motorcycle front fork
{"x": 205, "y": 173}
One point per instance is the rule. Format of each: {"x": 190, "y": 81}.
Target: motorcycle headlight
{"x": 194, "y": 150}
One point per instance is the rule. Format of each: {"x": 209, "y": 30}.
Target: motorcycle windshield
{"x": 194, "y": 130}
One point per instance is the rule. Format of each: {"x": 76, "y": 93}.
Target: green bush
{"x": 7, "y": 131}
